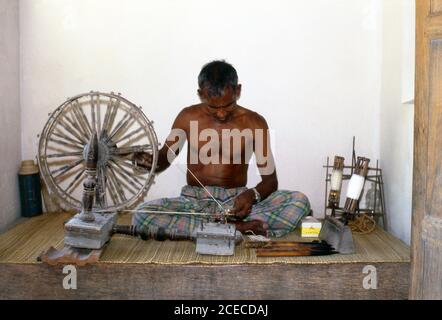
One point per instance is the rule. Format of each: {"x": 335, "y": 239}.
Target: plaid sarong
{"x": 282, "y": 210}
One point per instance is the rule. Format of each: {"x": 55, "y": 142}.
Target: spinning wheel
{"x": 121, "y": 127}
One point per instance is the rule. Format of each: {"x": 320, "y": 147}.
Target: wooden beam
{"x": 150, "y": 281}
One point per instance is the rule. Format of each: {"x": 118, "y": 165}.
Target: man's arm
{"x": 265, "y": 160}
{"x": 171, "y": 147}
{"x": 268, "y": 185}
{"x": 266, "y": 165}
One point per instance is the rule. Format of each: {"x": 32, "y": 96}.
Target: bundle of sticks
{"x": 291, "y": 248}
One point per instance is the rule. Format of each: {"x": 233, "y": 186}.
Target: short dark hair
{"x": 216, "y": 76}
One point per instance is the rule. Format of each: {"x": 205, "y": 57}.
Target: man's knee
{"x": 300, "y": 203}
{"x": 301, "y": 197}
{"x": 296, "y": 197}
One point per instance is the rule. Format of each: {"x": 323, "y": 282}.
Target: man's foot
{"x": 255, "y": 226}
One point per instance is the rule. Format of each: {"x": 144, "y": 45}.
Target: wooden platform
{"x": 134, "y": 269}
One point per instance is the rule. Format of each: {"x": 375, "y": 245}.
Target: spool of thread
{"x": 336, "y": 180}
{"x": 30, "y": 189}
{"x": 355, "y": 186}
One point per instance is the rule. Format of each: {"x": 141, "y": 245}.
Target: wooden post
{"x": 426, "y": 257}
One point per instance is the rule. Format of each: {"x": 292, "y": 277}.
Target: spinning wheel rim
{"x": 134, "y": 115}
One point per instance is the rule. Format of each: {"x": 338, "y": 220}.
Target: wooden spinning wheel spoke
{"x": 63, "y": 177}
{"x": 66, "y": 144}
{"x": 59, "y": 162}
{"x": 106, "y": 120}
{"x": 101, "y": 184}
{"x": 116, "y": 183}
{"x": 81, "y": 118}
{"x": 76, "y": 126}
{"x": 133, "y": 140}
{"x": 98, "y": 116}
{"x": 112, "y": 191}
{"x": 75, "y": 121}
{"x": 131, "y": 188}
{"x": 130, "y": 134}
{"x": 63, "y": 136}
{"x": 82, "y": 115}
{"x": 92, "y": 105}
{"x": 121, "y": 128}
{"x": 74, "y": 183}
{"x": 61, "y": 150}
{"x": 130, "y": 178}
{"x": 112, "y": 117}
{"x": 60, "y": 171}
{"x": 64, "y": 154}
{"x": 124, "y": 162}
{"x": 68, "y": 128}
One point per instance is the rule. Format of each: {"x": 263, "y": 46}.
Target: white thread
{"x": 174, "y": 213}
{"x": 355, "y": 186}
{"x": 219, "y": 204}
{"x": 336, "y": 180}
{"x": 166, "y": 212}
{"x": 258, "y": 238}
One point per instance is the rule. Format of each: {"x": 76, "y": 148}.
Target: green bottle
{"x": 30, "y": 189}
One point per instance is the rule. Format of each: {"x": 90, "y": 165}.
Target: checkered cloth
{"x": 282, "y": 210}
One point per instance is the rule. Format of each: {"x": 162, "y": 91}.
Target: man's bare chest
{"x": 230, "y": 142}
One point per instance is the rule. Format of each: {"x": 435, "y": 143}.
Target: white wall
{"x": 397, "y": 114}
{"x": 10, "y": 133}
{"x": 310, "y": 67}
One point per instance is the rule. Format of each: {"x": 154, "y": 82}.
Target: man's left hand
{"x": 243, "y": 204}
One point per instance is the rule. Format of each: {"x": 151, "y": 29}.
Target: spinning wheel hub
{"x": 103, "y": 153}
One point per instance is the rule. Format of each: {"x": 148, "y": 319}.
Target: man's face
{"x": 221, "y": 107}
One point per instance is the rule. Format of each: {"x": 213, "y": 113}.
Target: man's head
{"x": 219, "y": 88}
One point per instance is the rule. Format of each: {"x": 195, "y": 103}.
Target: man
{"x": 222, "y": 136}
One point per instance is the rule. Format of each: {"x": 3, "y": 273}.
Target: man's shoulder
{"x": 190, "y": 111}
{"x": 254, "y": 118}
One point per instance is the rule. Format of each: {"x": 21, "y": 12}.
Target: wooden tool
{"x": 292, "y": 249}
{"x": 294, "y": 253}
{"x": 297, "y": 244}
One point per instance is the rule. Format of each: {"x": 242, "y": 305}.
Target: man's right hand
{"x": 142, "y": 159}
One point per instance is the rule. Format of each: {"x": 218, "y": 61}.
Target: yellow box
{"x": 310, "y": 227}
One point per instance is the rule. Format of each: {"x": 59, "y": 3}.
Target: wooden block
{"x": 69, "y": 255}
